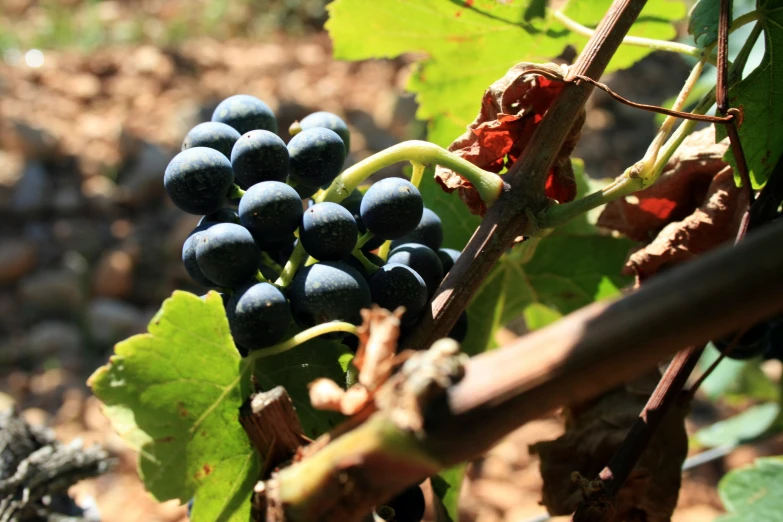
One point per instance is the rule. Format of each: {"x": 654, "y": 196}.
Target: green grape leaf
{"x": 447, "y": 485}
{"x": 760, "y": 97}
{"x": 743, "y": 427}
{"x": 752, "y": 493}
{"x": 565, "y": 272}
{"x": 465, "y": 46}
{"x": 295, "y": 369}
{"x": 538, "y": 315}
{"x": 703, "y": 22}
{"x": 655, "y": 21}
{"x": 174, "y": 394}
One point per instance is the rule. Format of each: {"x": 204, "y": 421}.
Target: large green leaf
{"x": 655, "y": 21}
{"x": 752, "y": 494}
{"x": 743, "y": 427}
{"x": 565, "y": 273}
{"x": 703, "y": 22}
{"x": 468, "y": 45}
{"x": 760, "y": 96}
{"x": 174, "y": 394}
{"x": 447, "y": 486}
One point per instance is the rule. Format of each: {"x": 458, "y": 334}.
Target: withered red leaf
{"x": 511, "y": 109}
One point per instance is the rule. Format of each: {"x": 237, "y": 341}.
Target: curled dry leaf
{"x": 680, "y": 189}
{"x": 511, "y": 109}
{"x": 378, "y": 337}
{"x": 374, "y": 359}
{"x": 593, "y": 434}
{"x": 716, "y": 221}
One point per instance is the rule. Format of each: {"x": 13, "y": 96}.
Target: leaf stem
{"x": 291, "y": 266}
{"x": 301, "y": 338}
{"x": 366, "y": 263}
{"x": 234, "y": 192}
{"x": 363, "y": 240}
{"x": 417, "y": 174}
{"x": 643, "y": 173}
{"x": 656, "y": 45}
{"x": 488, "y": 184}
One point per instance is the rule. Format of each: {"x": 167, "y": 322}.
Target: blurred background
{"x": 96, "y": 97}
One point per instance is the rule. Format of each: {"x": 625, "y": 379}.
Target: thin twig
{"x": 523, "y": 195}
{"x": 666, "y": 394}
{"x": 643, "y": 106}
{"x": 723, "y": 354}
{"x": 722, "y": 100}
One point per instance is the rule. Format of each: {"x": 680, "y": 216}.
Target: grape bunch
{"x": 241, "y": 248}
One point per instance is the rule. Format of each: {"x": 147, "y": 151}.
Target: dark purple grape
{"x": 408, "y": 506}
{"x": 259, "y": 156}
{"x": 423, "y": 260}
{"x": 258, "y": 315}
{"x": 391, "y": 208}
{"x": 448, "y": 257}
{"x": 752, "y": 343}
{"x": 395, "y": 285}
{"x": 317, "y": 156}
{"x": 328, "y": 232}
{"x": 223, "y": 215}
{"x": 429, "y": 232}
{"x": 197, "y": 180}
{"x": 271, "y": 211}
{"x": 245, "y": 113}
{"x": 227, "y": 254}
{"x": 329, "y": 121}
{"x": 189, "y": 256}
{"x": 326, "y": 292}
{"x": 214, "y": 135}
{"x": 460, "y": 329}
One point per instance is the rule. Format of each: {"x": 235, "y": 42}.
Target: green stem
{"x": 745, "y": 19}
{"x": 235, "y": 192}
{"x": 649, "y": 43}
{"x": 417, "y": 174}
{"x": 366, "y": 263}
{"x": 271, "y": 263}
{"x": 301, "y": 338}
{"x": 363, "y": 240}
{"x": 291, "y": 266}
{"x": 383, "y": 251}
{"x": 488, "y": 184}
{"x": 260, "y": 277}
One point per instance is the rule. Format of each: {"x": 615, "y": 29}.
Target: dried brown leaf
{"x": 511, "y": 109}
{"x": 377, "y": 345}
{"x": 593, "y": 434}
{"x": 716, "y": 221}
{"x": 679, "y": 191}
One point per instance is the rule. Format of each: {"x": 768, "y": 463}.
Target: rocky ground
{"x": 89, "y": 245}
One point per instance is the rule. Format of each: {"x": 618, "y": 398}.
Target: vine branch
{"x": 523, "y": 195}
{"x": 573, "y": 360}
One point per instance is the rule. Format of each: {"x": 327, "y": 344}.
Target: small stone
{"x": 67, "y": 200}
{"x": 17, "y": 258}
{"x": 143, "y": 181}
{"x": 111, "y": 321}
{"x": 54, "y": 338}
{"x": 35, "y": 142}
{"x": 33, "y": 193}
{"x": 113, "y": 275}
{"x": 58, "y": 291}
